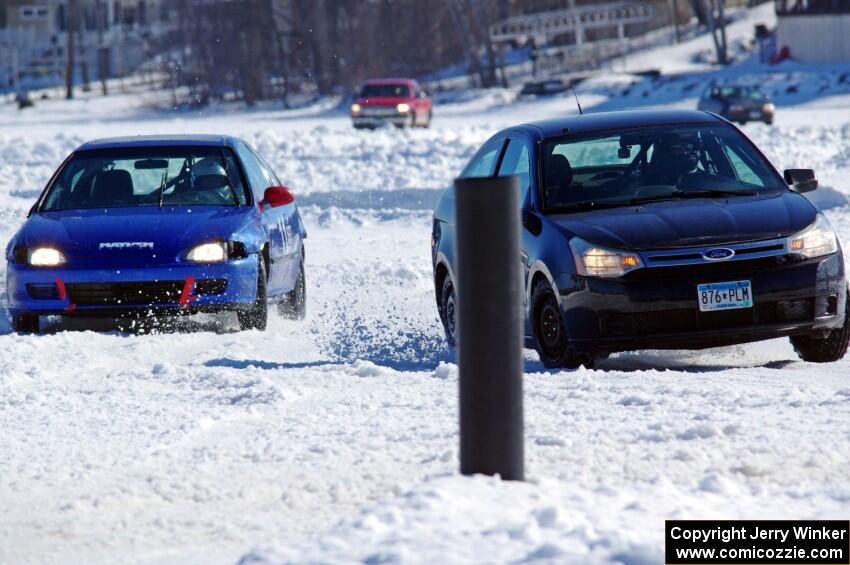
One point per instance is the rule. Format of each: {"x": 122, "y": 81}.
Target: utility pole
{"x": 489, "y": 324}
{"x": 675, "y": 9}
{"x": 70, "y": 30}
{"x": 84, "y": 60}
{"x": 102, "y": 13}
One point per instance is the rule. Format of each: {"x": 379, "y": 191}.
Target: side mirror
{"x": 801, "y": 180}
{"x": 275, "y": 196}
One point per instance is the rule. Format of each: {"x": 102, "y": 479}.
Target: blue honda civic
{"x": 159, "y": 226}
{"x": 657, "y": 230}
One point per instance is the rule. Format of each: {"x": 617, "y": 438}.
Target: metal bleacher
{"x": 607, "y": 20}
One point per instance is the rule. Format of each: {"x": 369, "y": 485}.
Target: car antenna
{"x": 580, "y": 111}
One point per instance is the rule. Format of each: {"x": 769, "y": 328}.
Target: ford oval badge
{"x": 718, "y": 254}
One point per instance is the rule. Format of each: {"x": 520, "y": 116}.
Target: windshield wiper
{"x": 679, "y": 194}
{"x": 673, "y": 195}
{"x": 162, "y": 187}
{"x": 591, "y": 205}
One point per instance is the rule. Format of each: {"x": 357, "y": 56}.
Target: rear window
{"x": 737, "y": 92}
{"x": 385, "y": 91}
{"x": 124, "y": 178}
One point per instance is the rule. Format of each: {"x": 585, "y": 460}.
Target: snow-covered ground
{"x": 334, "y": 440}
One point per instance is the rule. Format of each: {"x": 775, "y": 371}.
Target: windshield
{"x": 654, "y": 163}
{"x": 385, "y": 91}
{"x": 125, "y": 178}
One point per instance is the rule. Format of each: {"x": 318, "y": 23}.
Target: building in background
{"x": 113, "y": 37}
{"x": 814, "y": 31}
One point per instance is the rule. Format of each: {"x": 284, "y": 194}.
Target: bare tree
{"x": 71, "y": 31}
{"x": 717, "y": 27}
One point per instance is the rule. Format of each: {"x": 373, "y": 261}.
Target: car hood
{"x": 693, "y": 222}
{"x": 117, "y": 236}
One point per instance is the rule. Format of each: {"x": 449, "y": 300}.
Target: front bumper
{"x": 113, "y": 292}
{"x": 748, "y": 115}
{"x": 380, "y": 120}
{"x": 657, "y": 308}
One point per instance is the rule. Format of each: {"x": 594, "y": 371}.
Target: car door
{"x": 287, "y": 253}
{"x": 260, "y": 179}
{"x": 482, "y": 164}
{"x": 516, "y": 161}
{"x": 421, "y": 103}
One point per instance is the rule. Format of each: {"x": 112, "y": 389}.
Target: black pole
{"x": 489, "y": 318}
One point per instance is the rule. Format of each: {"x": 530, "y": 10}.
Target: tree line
{"x": 261, "y": 49}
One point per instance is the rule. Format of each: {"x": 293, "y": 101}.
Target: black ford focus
{"x": 658, "y": 230}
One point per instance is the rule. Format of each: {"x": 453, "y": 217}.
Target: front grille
{"x": 138, "y": 293}
{"x": 379, "y": 111}
{"x": 691, "y": 319}
{"x": 662, "y": 258}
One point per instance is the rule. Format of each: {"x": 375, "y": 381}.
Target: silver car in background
{"x": 740, "y": 104}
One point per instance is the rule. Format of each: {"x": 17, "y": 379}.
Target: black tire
{"x": 769, "y": 121}
{"x": 430, "y": 118}
{"x": 448, "y": 310}
{"x": 550, "y": 332}
{"x": 294, "y": 306}
{"x": 827, "y": 349}
{"x": 26, "y": 324}
{"x": 257, "y": 316}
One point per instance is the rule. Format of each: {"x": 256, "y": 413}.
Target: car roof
{"x": 158, "y": 141}
{"x": 600, "y": 121}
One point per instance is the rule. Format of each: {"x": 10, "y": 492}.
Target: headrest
{"x": 113, "y": 187}
{"x": 559, "y": 172}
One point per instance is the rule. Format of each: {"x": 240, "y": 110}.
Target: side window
{"x": 235, "y": 177}
{"x": 742, "y": 169}
{"x": 253, "y": 170}
{"x": 268, "y": 172}
{"x": 484, "y": 163}
{"x": 516, "y": 162}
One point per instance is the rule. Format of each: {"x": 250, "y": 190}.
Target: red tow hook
{"x": 186, "y": 296}
{"x": 63, "y": 295}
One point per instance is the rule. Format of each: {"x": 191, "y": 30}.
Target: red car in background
{"x": 400, "y": 102}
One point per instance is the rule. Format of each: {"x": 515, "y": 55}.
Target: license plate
{"x": 755, "y": 114}
{"x": 725, "y": 296}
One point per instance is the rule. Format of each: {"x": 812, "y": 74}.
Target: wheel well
{"x": 538, "y": 276}
{"x": 265, "y": 255}
{"x": 439, "y": 277}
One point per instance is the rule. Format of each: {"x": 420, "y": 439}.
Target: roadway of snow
{"x": 334, "y": 439}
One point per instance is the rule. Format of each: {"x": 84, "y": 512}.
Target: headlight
{"x": 403, "y": 108}
{"x": 208, "y": 253}
{"x": 355, "y": 108}
{"x": 45, "y": 257}
{"x": 768, "y": 108}
{"x": 596, "y": 261}
{"x": 816, "y": 240}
